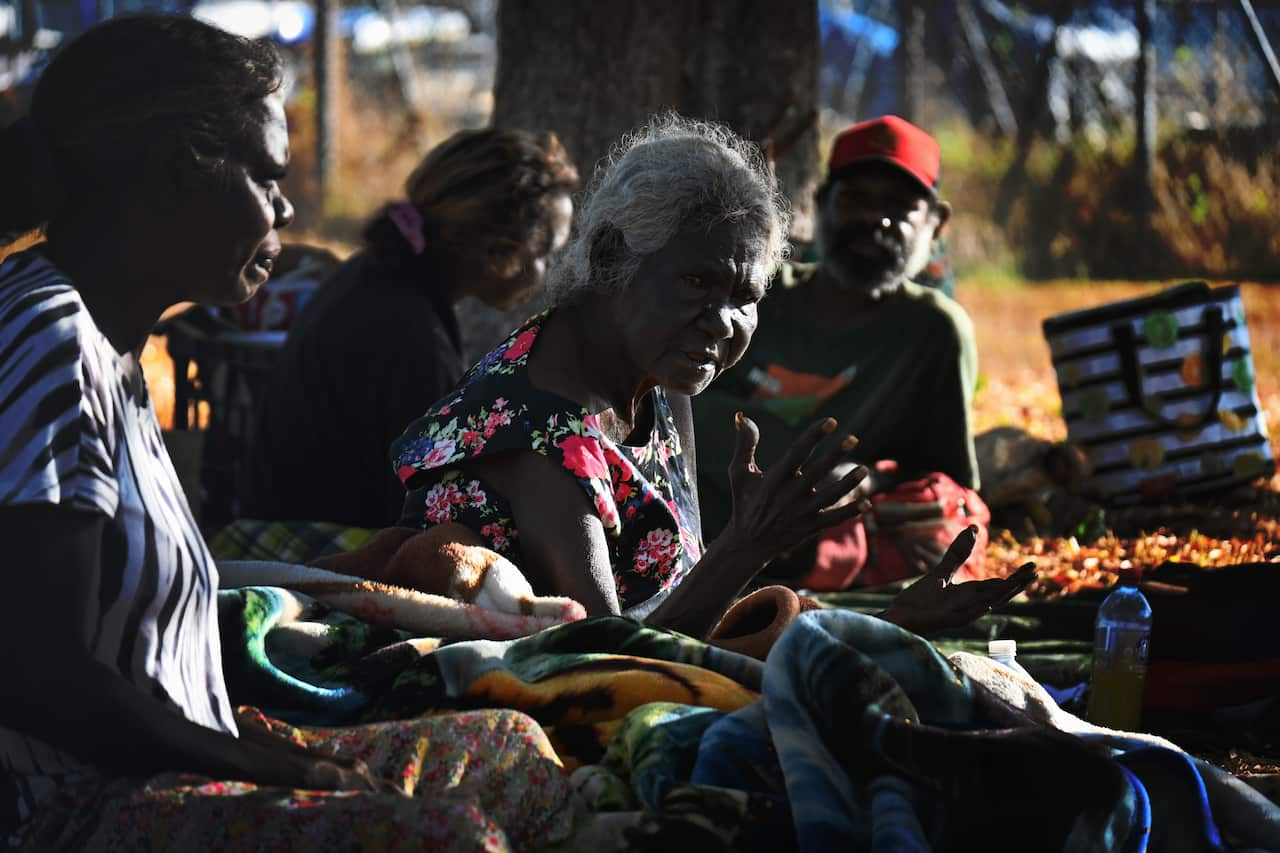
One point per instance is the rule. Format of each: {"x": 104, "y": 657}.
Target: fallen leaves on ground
{"x": 1066, "y": 566}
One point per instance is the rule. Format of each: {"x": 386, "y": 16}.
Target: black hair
{"x": 118, "y": 95}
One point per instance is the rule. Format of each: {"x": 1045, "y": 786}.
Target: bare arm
{"x": 776, "y": 510}
{"x": 566, "y": 550}
{"x": 562, "y": 540}
{"x": 74, "y": 702}
{"x": 773, "y": 511}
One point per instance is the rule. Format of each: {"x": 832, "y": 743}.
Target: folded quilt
{"x": 867, "y": 738}
{"x": 853, "y": 734}
{"x": 305, "y": 662}
{"x": 860, "y": 711}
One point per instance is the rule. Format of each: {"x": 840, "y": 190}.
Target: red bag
{"x": 935, "y": 508}
{"x": 869, "y": 550}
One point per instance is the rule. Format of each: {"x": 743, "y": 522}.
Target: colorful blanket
{"x": 854, "y": 734}
{"x": 882, "y": 742}
{"x": 305, "y": 662}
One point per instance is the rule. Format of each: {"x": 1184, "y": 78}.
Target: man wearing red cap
{"x": 854, "y": 338}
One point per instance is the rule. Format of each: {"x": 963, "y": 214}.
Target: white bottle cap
{"x": 1002, "y": 648}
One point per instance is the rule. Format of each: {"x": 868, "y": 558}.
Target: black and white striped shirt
{"x": 77, "y": 430}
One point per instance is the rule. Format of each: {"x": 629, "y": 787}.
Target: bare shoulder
{"x": 533, "y": 484}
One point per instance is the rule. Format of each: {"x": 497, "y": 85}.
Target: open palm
{"x": 934, "y": 603}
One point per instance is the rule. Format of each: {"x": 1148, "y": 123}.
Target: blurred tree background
{"x": 1093, "y": 149}
{"x": 1078, "y": 141}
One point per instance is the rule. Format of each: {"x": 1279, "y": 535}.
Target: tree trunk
{"x": 1145, "y": 84}
{"x": 1036, "y": 96}
{"x": 29, "y": 15}
{"x": 591, "y": 71}
{"x": 913, "y": 59}
{"x": 326, "y": 47}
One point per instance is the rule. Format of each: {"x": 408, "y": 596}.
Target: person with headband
{"x": 151, "y": 159}
{"x": 569, "y": 448}
{"x": 854, "y": 338}
{"x": 379, "y": 342}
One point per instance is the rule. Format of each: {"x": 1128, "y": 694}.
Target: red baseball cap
{"x": 888, "y": 139}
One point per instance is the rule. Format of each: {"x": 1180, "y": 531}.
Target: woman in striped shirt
{"x": 150, "y": 158}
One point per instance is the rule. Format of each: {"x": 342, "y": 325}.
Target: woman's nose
{"x": 717, "y": 320}
{"x": 284, "y": 211}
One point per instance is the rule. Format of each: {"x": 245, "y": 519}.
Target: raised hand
{"x": 775, "y": 510}
{"x": 934, "y": 603}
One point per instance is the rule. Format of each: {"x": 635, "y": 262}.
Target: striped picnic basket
{"x": 1159, "y": 391}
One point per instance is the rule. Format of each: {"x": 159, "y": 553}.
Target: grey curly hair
{"x": 673, "y": 173}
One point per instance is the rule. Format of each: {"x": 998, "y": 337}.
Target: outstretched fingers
{"x": 1016, "y": 583}
{"x": 959, "y": 551}
{"x": 828, "y": 495}
{"x": 817, "y": 470}
{"x": 792, "y": 463}
{"x": 828, "y": 518}
{"x": 978, "y": 597}
{"x": 744, "y": 451}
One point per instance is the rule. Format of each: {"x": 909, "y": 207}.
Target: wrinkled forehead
{"x": 738, "y": 248}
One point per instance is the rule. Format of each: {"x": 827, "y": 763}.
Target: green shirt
{"x": 899, "y": 376}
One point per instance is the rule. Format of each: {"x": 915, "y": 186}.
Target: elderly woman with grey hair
{"x": 569, "y": 447}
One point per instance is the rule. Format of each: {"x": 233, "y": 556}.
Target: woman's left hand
{"x": 934, "y": 603}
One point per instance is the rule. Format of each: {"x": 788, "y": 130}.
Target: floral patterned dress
{"x": 642, "y": 494}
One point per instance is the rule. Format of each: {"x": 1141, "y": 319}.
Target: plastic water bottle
{"x": 1006, "y": 652}
{"x": 1120, "y": 640}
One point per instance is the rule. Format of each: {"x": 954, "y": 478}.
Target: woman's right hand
{"x": 802, "y": 495}
{"x": 292, "y": 765}
{"x": 325, "y": 772}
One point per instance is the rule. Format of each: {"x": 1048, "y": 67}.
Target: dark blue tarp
{"x": 861, "y": 73}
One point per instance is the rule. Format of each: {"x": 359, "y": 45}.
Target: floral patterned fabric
{"x": 483, "y": 780}
{"x": 642, "y": 494}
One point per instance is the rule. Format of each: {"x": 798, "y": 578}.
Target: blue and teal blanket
{"x": 853, "y": 734}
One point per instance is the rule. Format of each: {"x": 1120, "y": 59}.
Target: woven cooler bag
{"x": 1160, "y": 392}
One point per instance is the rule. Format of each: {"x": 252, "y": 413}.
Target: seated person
{"x": 380, "y": 342}
{"x": 153, "y": 189}
{"x": 854, "y": 338}
{"x": 569, "y": 448}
